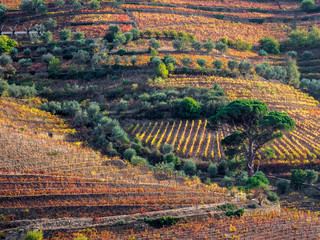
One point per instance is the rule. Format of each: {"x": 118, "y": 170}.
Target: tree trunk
{"x": 250, "y": 163}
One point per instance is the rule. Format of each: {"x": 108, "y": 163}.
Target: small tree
{"x": 129, "y": 153}
{"x": 212, "y": 170}
{"x": 217, "y": 64}
{"x": 307, "y": 4}
{"x": 196, "y": 45}
{"x": 5, "y": 60}
{"x": 312, "y": 176}
{"x": 208, "y": 45}
{"x": 222, "y": 47}
{"x": 54, "y": 67}
{"x": 94, "y": 4}
{"x": 7, "y": 44}
{"x": 245, "y": 67}
{"x": 186, "y": 61}
{"x": 162, "y": 70}
{"x": 133, "y": 60}
{"x": 34, "y": 235}
{"x": 282, "y": 185}
{"x": 270, "y": 45}
{"x": 307, "y": 55}
{"x": 259, "y": 126}
{"x": 46, "y": 36}
{"x": 263, "y": 53}
{"x": 59, "y": 3}
{"x": 3, "y": 9}
{"x": 292, "y": 54}
{"x": 181, "y": 44}
{"x": 233, "y": 64}
{"x": 148, "y": 32}
{"x": 201, "y": 62}
{"x": 190, "y": 168}
{"x": 65, "y": 35}
{"x": 78, "y": 35}
{"x": 189, "y": 108}
{"x": 293, "y": 74}
{"x": 81, "y": 57}
{"x": 50, "y": 24}
{"x": 298, "y": 176}
{"x": 153, "y": 43}
{"x": 4, "y": 87}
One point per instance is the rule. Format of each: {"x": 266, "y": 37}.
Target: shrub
{"x": 201, "y": 62}
{"x": 209, "y": 46}
{"x": 282, "y": 185}
{"x": 227, "y": 181}
{"x": 46, "y": 36}
{"x": 307, "y": 4}
{"x": 312, "y": 176}
{"x": 70, "y": 108}
{"x": 7, "y": 44}
{"x": 133, "y": 60}
{"x": 129, "y": 153}
{"x": 222, "y": 47}
{"x": 270, "y": 45}
{"x": 307, "y": 55}
{"x": 94, "y": 4}
{"x": 273, "y": 197}
{"x": 245, "y": 67}
{"x": 138, "y": 161}
{"x": 189, "y": 108}
{"x": 171, "y": 158}
{"x": 59, "y": 3}
{"x": 5, "y": 60}
{"x": 153, "y": 43}
{"x": 212, "y": 170}
{"x": 257, "y": 181}
{"x": 242, "y": 179}
{"x": 222, "y": 167}
{"x": 81, "y": 57}
{"x": 81, "y": 118}
{"x": 163, "y": 221}
{"x": 190, "y": 168}
{"x": 227, "y": 207}
{"x": 65, "y": 35}
{"x": 14, "y": 52}
{"x": 298, "y": 176}
{"x": 196, "y": 45}
{"x": 25, "y": 62}
{"x": 162, "y": 70}
{"x": 218, "y": 64}
{"x": 4, "y": 87}
{"x": 237, "y": 213}
{"x": 263, "y": 53}
{"x": 3, "y": 9}
{"x": 54, "y": 67}
{"x": 167, "y": 148}
{"x": 292, "y": 54}
{"x": 233, "y": 64}
{"x": 34, "y": 235}
{"x": 241, "y": 45}
{"x": 27, "y": 52}
{"x": 121, "y": 106}
{"x": 41, "y": 50}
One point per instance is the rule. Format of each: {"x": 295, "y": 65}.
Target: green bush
{"x": 298, "y": 176}
{"x": 212, "y": 170}
{"x": 167, "y": 148}
{"x": 222, "y": 167}
{"x": 7, "y": 44}
{"x": 237, "y": 213}
{"x": 307, "y": 55}
{"x": 129, "y": 153}
{"x": 138, "y": 161}
{"x": 190, "y": 168}
{"x": 242, "y": 179}
{"x": 307, "y": 4}
{"x": 227, "y": 207}
{"x": 160, "y": 222}
{"x": 189, "y": 108}
{"x": 222, "y": 47}
{"x": 218, "y": 64}
{"x": 282, "y": 185}
{"x": 263, "y": 53}
{"x": 201, "y": 62}
{"x": 273, "y": 197}
{"x": 162, "y": 70}
{"x": 4, "y": 87}
{"x": 270, "y": 45}
{"x": 312, "y": 176}
{"x": 227, "y": 181}
{"x": 292, "y": 54}
{"x": 34, "y": 235}
{"x": 257, "y": 181}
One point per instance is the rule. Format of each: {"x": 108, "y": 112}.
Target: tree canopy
{"x": 259, "y": 126}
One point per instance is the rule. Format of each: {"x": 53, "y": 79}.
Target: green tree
{"x": 153, "y": 43}
{"x": 222, "y": 47}
{"x": 298, "y": 176}
{"x": 312, "y": 176}
{"x": 259, "y": 126}
{"x": 34, "y": 235}
{"x": 59, "y": 3}
{"x": 293, "y": 74}
{"x": 7, "y": 44}
{"x": 54, "y": 67}
{"x": 218, "y": 64}
{"x": 162, "y": 70}
{"x": 208, "y": 45}
{"x": 94, "y": 4}
{"x": 196, "y": 45}
{"x": 186, "y": 61}
{"x": 133, "y": 60}
{"x": 270, "y": 45}
{"x": 245, "y": 67}
{"x": 212, "y": 170}
{"x": 181, "y": 44}
{"x": 65, "y": 35}
{"x": 46, "y": 36}
{"x": 307, "y": 4}
{"x": 189, "y": 108}
{"x": 4, "y": 87}
{"x": 233, "y": 64}
{"x": 3, "y": 9}
{"x": 201, "y": 62}
{"x": 189, "y": 167}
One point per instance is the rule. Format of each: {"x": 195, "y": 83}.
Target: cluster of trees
{"x": 269, "y": 72}
{"x": 16, "y": 91}
{"x": 100, "y": 130}
{"x": 239, "y": 44}
{"x": 311, "y": 86}
{"x": 300, "y": 39}
{"x": 297, "y": 180}
{"x": 37, "y": 6}
{"x": 188, "y": 102}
